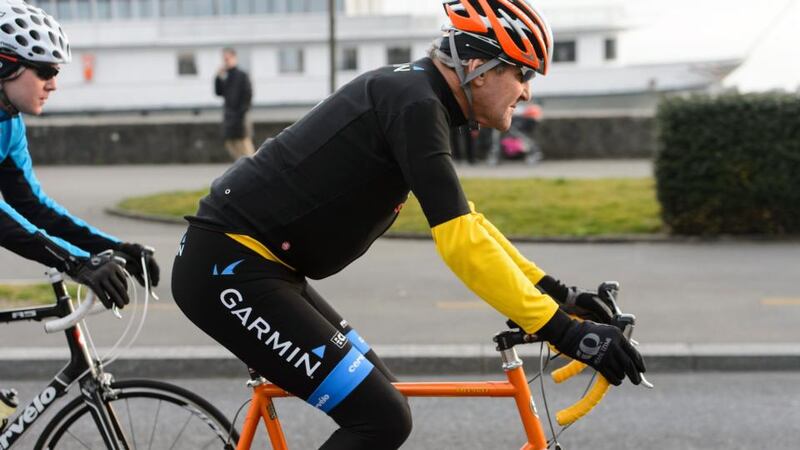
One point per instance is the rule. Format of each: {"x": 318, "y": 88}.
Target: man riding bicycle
{"x": 32, "y": 225}
{"x": 314, "y": 198}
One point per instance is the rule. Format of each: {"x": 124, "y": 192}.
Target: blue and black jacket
{"x": 32, "y": 224}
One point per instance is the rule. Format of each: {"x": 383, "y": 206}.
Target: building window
{"x": 564, "y": 51}
{"x": 290, "y": 60}
{"x": 170, "y": 8}
{"x": 64, "y": 10}
{"x": 124, "y": 9}
{"x": 297, "y": 6}
{"x": 144, "y": 8}
{"x": 197, "y": 8}
{"x": 398, "y": 55}
{"x": 348, "y": 59}
{"x": 186, "y": 64}
{"x": 610, "y": 49}
{"x": 244, "y": 7}
{"x": 103, "y": 9}
{"x": 318, "y": 6}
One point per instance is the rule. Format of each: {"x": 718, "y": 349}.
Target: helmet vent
{"x": 32, "y": 34}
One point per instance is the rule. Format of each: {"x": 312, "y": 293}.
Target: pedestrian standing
{"x": 233, "y": 84}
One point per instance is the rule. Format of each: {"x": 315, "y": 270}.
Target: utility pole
{"x": 332, "y": 42}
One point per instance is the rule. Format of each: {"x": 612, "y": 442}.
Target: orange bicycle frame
{"x": 262, "y": 406}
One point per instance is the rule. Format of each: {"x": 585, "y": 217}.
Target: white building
{"x": 162, "y": 55}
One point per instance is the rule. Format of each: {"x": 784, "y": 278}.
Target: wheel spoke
{"x": 130, "y": 421}
{"x": 78, "y": 440}
{"x": 180, "y": 433}
{"x": 155, "y": 425}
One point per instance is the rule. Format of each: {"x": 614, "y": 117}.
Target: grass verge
{"x": 531, "y": 207}
{"x": 13, "y": 295}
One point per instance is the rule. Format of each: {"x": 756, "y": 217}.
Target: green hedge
{"x": 729, "y": 164}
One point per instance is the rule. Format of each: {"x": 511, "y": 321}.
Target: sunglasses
{"x": 44, "y": 71}
{"x": 527, "y": 73}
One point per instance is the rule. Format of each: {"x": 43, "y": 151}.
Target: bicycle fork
{"x": 96, "y": 393}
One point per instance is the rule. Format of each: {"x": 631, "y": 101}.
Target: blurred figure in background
{"x": 517, "y": 143}
{"x": 463, "y": 142}
{"x": 233, "y": 84}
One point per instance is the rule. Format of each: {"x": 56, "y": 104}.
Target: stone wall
{"x": 200, "y": 142}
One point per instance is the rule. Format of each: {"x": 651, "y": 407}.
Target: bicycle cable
{"x": 113, "y": 352}
{"x": 111, "y": 356}
{"x": 235, "y": 418}
{"x": 543, "y": 362}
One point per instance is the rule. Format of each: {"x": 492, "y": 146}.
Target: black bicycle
{"x": 109, "y": 414}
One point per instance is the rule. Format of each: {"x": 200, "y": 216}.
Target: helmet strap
{"x": 466, "y": 79}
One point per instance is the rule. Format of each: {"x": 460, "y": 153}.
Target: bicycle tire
{"x": 74, "y": 423}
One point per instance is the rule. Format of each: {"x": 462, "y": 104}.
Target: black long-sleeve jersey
{"x": 319, "y": 193}
{"x": 32, "y": 224}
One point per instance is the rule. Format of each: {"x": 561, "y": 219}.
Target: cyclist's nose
{"x": 526, "y": 92}
{"x": 51, "y": 85}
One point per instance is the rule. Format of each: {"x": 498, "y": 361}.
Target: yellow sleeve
{"x": 487, "y": 268}
{"x": 531, "y": 270}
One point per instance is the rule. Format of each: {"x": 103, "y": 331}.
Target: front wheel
{"x": 150, "y": 414}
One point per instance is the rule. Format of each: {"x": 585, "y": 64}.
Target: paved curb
{"x": 204, "y": 362}
{"x": 607, "y": 239}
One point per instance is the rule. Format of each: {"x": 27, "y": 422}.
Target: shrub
{"x": 729, "y": 164}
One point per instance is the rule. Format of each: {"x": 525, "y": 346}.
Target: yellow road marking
{"x": 780, "y": 301}
{"x": 469, "y": 304}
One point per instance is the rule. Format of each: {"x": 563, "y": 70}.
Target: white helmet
{"x": 32, "y": 34}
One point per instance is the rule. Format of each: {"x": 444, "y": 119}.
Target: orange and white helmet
{"x": 509, "y": 30}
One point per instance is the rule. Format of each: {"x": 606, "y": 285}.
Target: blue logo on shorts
{"x": 226, "y": 271}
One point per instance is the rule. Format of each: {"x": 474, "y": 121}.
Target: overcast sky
{"x": 766, "y": 33}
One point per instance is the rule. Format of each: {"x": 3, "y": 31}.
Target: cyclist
{"x": 315, "y": 197}
{"x": 32, "y": 225}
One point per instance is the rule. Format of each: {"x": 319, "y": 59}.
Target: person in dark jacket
{"x": 234, "y": 86}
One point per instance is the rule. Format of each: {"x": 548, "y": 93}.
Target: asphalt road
{"x": 711, "y": 411}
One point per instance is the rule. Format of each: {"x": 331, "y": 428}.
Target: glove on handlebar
{"x": 132, "y": 253}
{"x": 104, "y": 277}
{"x": 601, "y": 346}
{"x": 584, "y": 304}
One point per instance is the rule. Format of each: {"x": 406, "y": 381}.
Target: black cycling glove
{"x": 104, "y": 277}
{"x": 601, "y": 346}
{"x": 575, "y": 301}
{"x": 132, "y": 253}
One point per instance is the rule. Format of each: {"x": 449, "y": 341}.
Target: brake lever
{"x": 607, "y": 292}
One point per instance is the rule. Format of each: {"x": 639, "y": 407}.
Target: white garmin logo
{"x": 231, "y": 298}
